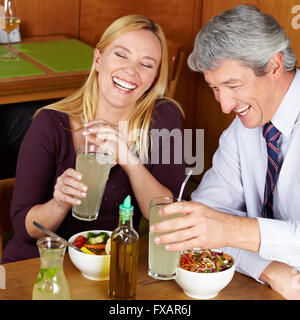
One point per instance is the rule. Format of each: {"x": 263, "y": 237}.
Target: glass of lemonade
{"x": 163, "y": 264}
{"x": 95, "y": 168}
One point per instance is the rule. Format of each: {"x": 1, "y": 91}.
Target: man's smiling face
{"x": 237, "y": 88}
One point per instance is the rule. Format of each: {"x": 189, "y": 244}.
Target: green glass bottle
{"x": 124, "y": 256}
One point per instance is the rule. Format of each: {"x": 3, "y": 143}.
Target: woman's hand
{"x": 110, "y": 139}
{"x": 67, "y": 186}
{"x": 52, "y": 213}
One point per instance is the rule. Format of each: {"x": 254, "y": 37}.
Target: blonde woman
{"x": 126, "y": 85}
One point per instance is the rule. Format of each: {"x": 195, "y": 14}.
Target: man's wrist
{"x": 246, "y": 233}
{"x": 274, "y": 273}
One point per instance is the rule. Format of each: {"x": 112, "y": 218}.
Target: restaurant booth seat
{"x": 6, "y": 192}
{"x": 15, "y": 120}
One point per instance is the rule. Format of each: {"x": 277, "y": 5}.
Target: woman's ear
{"x": 96, "y": 61}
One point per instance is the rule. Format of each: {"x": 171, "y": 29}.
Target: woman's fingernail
{"x": 152, "y": 229}
{"x": 91, "y": 129}
{"x": 84, "y": 132}
{"x": 78, "y": 177}
{"x": 78, "y": 202}
{"x": 83, "y": 194}
{"x": 84, "y": 188}
{"x": 157, "y": 240}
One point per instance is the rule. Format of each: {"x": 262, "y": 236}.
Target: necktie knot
{"x": 270, "y": 132}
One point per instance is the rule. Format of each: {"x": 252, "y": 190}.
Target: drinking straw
{"x": 86, "y": 142}
{"x": 183, "y": 184}
{"x": 86, "y": 145}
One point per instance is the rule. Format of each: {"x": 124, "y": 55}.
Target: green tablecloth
{"x": 19, "y": 68}
{"x": 60, "y": 55}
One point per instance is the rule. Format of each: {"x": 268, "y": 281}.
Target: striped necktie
{"x": 271, "y": 135}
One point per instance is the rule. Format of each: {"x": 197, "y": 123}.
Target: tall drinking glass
{"x": 95, "y": 168}
{"x": 163, "y": 264}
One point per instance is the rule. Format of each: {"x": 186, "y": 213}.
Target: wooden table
{"x": 51, "y": 85}
{"x": 20, "y": 277}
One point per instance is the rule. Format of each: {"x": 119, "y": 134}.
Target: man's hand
{"x": 282, "y": 278}
{"x": 204, "y": 227}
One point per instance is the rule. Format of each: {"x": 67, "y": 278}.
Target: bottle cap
{"x": 126, "y": 209}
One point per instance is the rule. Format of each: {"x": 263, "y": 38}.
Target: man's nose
{"x": 227, "y": 101}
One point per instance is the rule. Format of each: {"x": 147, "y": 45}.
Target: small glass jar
{"x": 51, "y": 283}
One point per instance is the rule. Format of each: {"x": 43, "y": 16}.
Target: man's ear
{"x": 275, "y": 65}
{"x": 96, "y": 61}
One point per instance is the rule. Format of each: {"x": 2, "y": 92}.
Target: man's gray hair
{"x": 243, "y": 33}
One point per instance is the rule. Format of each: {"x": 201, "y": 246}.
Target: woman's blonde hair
{"x": 83, "y": 102}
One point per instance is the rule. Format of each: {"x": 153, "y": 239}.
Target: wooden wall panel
{"x": 174, "y": 16}
{"x": 179, "y": 19}
{"x": 48, "y": 17}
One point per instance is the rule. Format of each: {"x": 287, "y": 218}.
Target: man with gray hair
{"x": 248, "y": 203}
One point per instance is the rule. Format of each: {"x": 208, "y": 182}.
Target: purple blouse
{"x": 47, "y": 151}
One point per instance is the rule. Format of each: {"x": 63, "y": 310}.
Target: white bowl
{"x": 204, "y": 285}
{"x": 93, "y": 267}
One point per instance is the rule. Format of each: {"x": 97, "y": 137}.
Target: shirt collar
{"x": 288, "y": 111}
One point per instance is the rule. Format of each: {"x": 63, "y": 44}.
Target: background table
{"x": 20, "y": 277}
{"x": 44, "y": 83}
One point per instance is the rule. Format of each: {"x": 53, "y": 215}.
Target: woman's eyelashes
{"x": 143, "y": 64}
{"x": 147, "y": 65}
{"x": 120, "y": 55}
